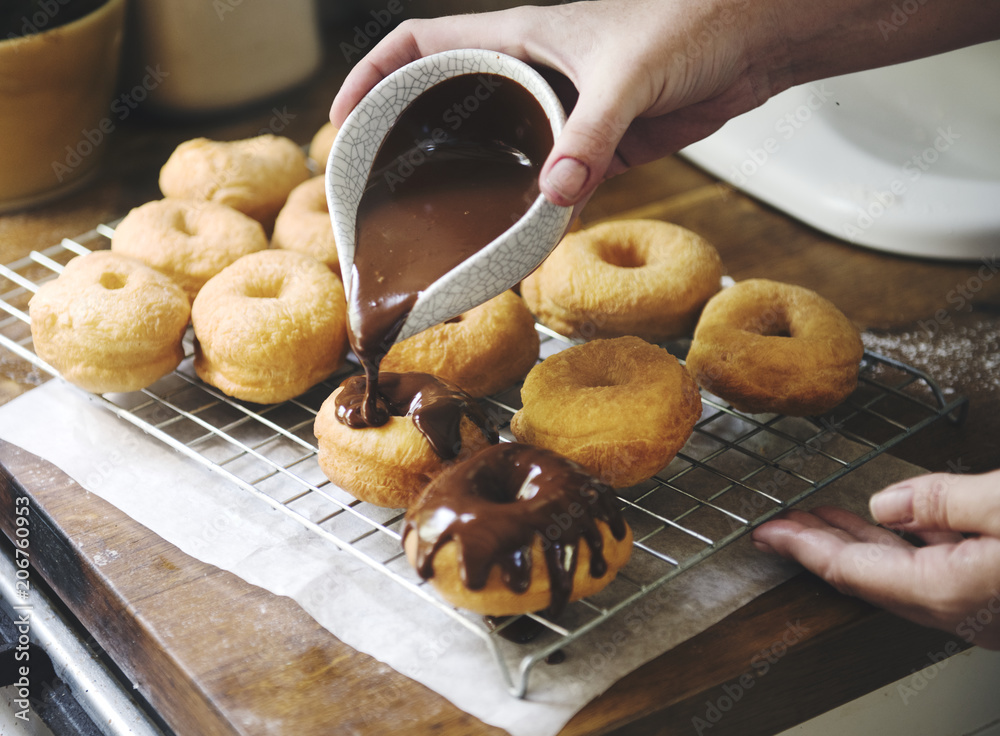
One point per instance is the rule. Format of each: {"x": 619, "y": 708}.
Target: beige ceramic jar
{"x": 56, "y": 89}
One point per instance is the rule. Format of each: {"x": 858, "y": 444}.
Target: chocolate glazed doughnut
{"x": 516, "y": 529}
{"x": 429, "y": 424}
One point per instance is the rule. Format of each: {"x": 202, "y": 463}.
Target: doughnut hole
{"x": 622, "y": 255}
{"x": 182, "y": 222}
{"x": 112, "y": 280}
{"x": 774, "y": 322}
{"x": 267, "y": 286}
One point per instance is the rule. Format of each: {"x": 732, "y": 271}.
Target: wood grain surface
{"x": 215, "y": 655}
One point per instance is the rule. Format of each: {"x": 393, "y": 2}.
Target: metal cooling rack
{"x": 734, "y": 473}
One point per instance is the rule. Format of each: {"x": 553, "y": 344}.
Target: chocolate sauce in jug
{"x": 458, "y": 169}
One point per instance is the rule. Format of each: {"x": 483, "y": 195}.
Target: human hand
{"x": 650, "y": 76}
{"x": 951, "y": 583}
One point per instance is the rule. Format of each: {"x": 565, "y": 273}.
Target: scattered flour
{"x": 961, "y": 356}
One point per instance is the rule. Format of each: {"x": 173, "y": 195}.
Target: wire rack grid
{"x": 734, "y": 473}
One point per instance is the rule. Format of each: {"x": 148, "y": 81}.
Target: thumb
{"x": 941, "y": 502}
{"x": 584, "y": 152}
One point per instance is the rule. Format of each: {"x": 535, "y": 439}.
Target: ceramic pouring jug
{"x": 503, "y": 262}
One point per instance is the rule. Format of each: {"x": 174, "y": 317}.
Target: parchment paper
{"x": 210, "y": 518}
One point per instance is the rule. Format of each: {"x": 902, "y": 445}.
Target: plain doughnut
{"x": 626, "y": 277}
{"x": 622, "y": 408}
{"x": 269, "y": 326}
{"x": 765, "y": 346}
{"x": 109, "y": 323}
{"x": 304, "y": 224}
{"x": 254, "y": 175}
{"x": 321, "y": 143}
{"x": 483, "y": 351}
{"x": 188, "y": 241}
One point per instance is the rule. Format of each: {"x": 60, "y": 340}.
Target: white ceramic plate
{"x": 903, "y": 159}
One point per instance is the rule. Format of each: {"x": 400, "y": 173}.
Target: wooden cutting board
{"x": 215, "y": 655}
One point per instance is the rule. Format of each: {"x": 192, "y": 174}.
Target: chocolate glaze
{"x": 522, "y": 630}
{"x": 495, "y": 504}
{"x": 436, "y": 406}
{"x": 459, "y": 167}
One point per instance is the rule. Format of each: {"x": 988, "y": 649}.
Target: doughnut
{"x": 254, "y": 175}
{"x": 620, "y": 407}
{"x": 304, "y": 224}
{"x": 109, "y": 323}
{"x": 516, "y": 529}
{"x": 269, "y": 326}
{"x": 431, "y": 424}
{"x": 483, "y": 351}
{"x": 627, "y": 277}
{"x": 765, "y": 346}
{"x": 188, "y": 241}
{"x": 320, "y": 145}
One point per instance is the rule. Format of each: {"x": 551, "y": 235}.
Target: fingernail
{"x": 893, "y": 505}
{"x": 567, "y": 178}
{"x": 762, "y": 546}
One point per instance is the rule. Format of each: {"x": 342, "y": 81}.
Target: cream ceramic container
{"x": 56, "y": 90}
{"x": 226, "y": 53}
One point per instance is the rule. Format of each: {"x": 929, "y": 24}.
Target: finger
{"x": 854, "y": 568}
{"x": 847, "y": 525}
{"x": 858, "y": 528}
{"x": 772, "y": 535}
{"x": 942, "y": 502}
{"x": 785, "y": 537}
{"x": 866, "y": 532}
{"x": 582, "y": 156}
{"x": 939, "y": 537}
